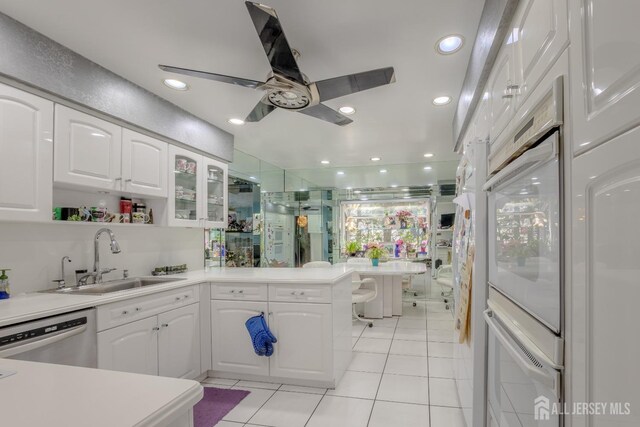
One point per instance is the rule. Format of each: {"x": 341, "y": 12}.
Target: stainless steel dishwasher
{"x": 66, "y": 339}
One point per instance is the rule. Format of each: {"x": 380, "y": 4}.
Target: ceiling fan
{"x": 286, "y": 86}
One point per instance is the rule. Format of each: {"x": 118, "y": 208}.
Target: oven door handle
{"x": 541, "y": 154}
{"x": 42, "y": 342}
{"x": 540, "y": 375}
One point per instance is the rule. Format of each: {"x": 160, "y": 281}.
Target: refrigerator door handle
{"x": 541, "y": 154}
{"x": 540, "y": 375}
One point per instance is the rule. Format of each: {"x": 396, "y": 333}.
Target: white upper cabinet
{"x": 539, "y": 34}
{"x": 87, "y": 150}
{"x": 186, "y": 178}
{"x": 26, "y": 148}
{"x": 144, "y": 164}
{"x": 502, "y": 89}
{"x": 215, "y": 187}
{"x": 179, "y": 343}
{"x": 605, "y": 70}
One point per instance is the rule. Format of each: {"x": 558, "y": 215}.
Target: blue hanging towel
{"x": 261, "y": 337}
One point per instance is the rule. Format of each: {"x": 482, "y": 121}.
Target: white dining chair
{"x": 362, "y": 290}
{"x": 317, "y": 264}
{"x": 444, "y": 278}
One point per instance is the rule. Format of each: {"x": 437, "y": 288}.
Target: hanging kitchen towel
{"x": 261, "y": 337}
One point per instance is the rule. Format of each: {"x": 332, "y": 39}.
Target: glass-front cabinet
{"x": 215, "y": 189}
{"x": 197, "y": 190}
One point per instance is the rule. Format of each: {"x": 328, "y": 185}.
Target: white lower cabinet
{"x": 130, "y": 348}
{"x": 167, "y": 344}
{"x": 232, "y": 350}
{"x": 304, "y": 349}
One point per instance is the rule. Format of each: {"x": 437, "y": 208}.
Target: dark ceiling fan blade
{"x": 238, "y": 81}
{"x": 327, "y": 114}
{"x": 274, "y": 41}
{"x": 341, "y": 86}
{"x": 259, "y": 112}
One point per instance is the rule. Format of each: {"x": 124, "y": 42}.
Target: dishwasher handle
{"x": 42, "y": 342}
{"x": 543, "y": 377}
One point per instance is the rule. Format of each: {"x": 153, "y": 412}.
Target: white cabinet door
{"x": 26, "y": 148}
{"x": 130, "y": 348}
{"x": 144, "y": 164}
{"x": 179, "y": 342}
{"x": 87, "y": 150}
{"x": 540, "y": 33}
{"x": 502, "y": 89}
{"x": 305, "y": 340}
{"x": 603, "y": 301}
{"x": 215, "y": 184}
{"x": 185, "y": 188}
{"x": 232, "y": 350}
{"x": 605, "y": 70}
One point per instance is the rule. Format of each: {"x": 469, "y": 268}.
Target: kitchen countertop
{"x": 69, "y": 396}
{"x": 386, "y": 269}
{"x": 25, "y": 307}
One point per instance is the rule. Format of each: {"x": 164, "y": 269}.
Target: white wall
{"x": 33, "y": 251}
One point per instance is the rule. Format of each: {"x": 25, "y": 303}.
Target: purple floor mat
{"x": 215, "y": 404}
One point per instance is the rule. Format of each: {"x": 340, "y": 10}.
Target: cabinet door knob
{"x": 232, "y": 291}
{"x": 240, "y": 291}
{"x": 138, "y": 309}
{"x": 125, "y": 312}
{"x": 293, "y": 293}
{"x": 512, "y": 87}
{"x": 178, "y": 298}
{"x": 155, "y": 328}
{"x": 128, "y": 180}
{"x": 301, "y": 293}
{"x": 186, "y": 296}
{"x": 164, "y": 325}
{"x": 507, "y": 96}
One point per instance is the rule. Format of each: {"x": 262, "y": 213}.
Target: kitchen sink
{"x": 115, "y": 286}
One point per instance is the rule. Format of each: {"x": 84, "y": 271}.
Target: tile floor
{"x": 401, "y": 375}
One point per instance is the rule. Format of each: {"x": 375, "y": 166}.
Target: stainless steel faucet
{"x": 61, "y": 282}
{"x": 97, "y": 271}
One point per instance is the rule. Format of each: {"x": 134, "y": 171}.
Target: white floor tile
{"x": 372, "y": 345}
{"x": 357, "y": 328}
{"x": 407, "y": 365}
{"x": 413, "y": 313}
{"x": 362, "y": 385}
{"x": 437, "y": 307}
{"x": 440, "y": 324}
{"x": 354, "y": 340}
{"x": 404, "y": 389}
{"x": 223, "y": 423}
{"x": 440, "y": 349}
{"x": 412, "y": 323}
{"x": 378, "y": 332}
{"x": 439, "y": 315}
{"x": 410, "y": 334}
{"x": 443, "y": 392}
{"x": 387, "y": 414}
{"x": 367, "y": 362}
{"x": 387, "y": 322}
{"x": 440, "y": 335}
{"x": 334, "y": 411}
{"x": 219, "y": 382}
{"x": 256, "y": 384}
{"x": 446, "y": 417}
{"x": 409, "y": 348}
{"x": 286, "y": 409}
{"x": 299, "y": 389}
{"x": 249, "y": 405}
{"x": 440, "y": 367}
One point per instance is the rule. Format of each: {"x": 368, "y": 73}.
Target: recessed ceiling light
{"x": 252, "y": 177}
{"x": 349, "y": 188}
{"x": 428, "y": 155}
{"x": 441, "y": 100}
{"x": 375, "y": 159}
{"x": 405, "y": 189}
{"x": 394, "y": 185}
{"x": 303, "y": 189}
{"x": 427, "y": 168}
{"x": 325, "y": 162}
{"x": 364, "y": 198}
{"x": 383, "y": 171}
{"x": 236, "y": 122}
{"x": 449, "y": 44}
{"x": 357, "y": 192}
{"x": 536, "y": 183}
{"x": 347, "y": 110}
{"x": 175, "y": 84}
{"x": 340, "y": 173}
{"x": 406, "y": 197}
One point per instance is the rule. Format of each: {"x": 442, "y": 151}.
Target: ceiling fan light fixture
{"x": 427, "y": 155}
{"x": 340, "y": 173}
{"x": 235, "y": 121}
{"x": 376, "y": 159}
{"x": 347, "y": 110}
{"x": 427, "y": 168}
{"x": 325, "y": 162}
{"x": 441, "y": 100}
{"x": 175, "y": 84}
{"x": 449, "y": 44}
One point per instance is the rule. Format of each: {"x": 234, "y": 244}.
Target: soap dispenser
{"x": 4, "y": 284}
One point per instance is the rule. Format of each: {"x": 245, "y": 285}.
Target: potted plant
{"x": 374, "y": 252}
{"x": 352, "y": 247}
{"x": 403, "y": 216}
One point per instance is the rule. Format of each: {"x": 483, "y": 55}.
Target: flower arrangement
{"x": 375, "y": 251}
{"x": 403, "y": 214}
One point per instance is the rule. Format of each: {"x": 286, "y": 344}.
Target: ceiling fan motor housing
{"x": 288, "y": 94}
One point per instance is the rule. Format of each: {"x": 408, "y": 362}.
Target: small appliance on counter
{"x": 4, "y": 284}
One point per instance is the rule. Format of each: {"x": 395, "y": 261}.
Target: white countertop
{"x": 25, "y": 307}
{"x": 69, "y": 396}
{"x": 387, "y": 269}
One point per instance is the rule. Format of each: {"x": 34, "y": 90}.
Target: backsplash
{"x": 33, "y": 251}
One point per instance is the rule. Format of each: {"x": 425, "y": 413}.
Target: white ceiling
{"x": 336, "y": 37}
